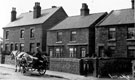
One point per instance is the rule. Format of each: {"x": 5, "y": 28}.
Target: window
{"x": 7, "y": 34}
{"x": 131, "y": 33}
{"x": 58, "y": 52}
{"x": 111, "y": 50}
{"x": 32, "y": 50}
{"x": 112, "y": 33}
{"x": 7, "y": 47}
{"x": 22, "y": 47}
{"x": 83, "y": 52}
{"x": 59, "y": 36}
{"x": 32, "y": 30}
{"x": 131, "y": 51}
{"x": 22, "y": 33}
{"x": 72, "y": 52}
{"x": 50, "y": 52}
{"x": 11, "y": 47}
{"x": 73, "y": 36}
{"x": 16, "y": 46}
{"x": 101, "y": 51}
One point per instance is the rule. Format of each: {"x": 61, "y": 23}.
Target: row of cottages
{"x": 29, "y": 29}
{"x": 72, "y": 40}
{"x": 74, "y": 37}
{"x": 107, "y": 39}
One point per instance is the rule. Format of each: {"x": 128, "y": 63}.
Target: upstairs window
{"x": 112, "y": 33}
{"x": 59, "y": 36}
{"x": 131, "y": 33}
{"x": 7, "y": 35}
{"x": 32, "y": 31}
{"x": 22, "y": 33}
{"x": 73, "y": 36}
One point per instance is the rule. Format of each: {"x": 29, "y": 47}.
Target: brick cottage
{"x": 29, "y": 29}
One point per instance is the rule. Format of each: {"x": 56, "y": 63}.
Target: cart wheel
{"x": 41, "y": 71}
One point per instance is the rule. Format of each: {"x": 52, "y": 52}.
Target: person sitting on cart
{"x": 38, "y": 54}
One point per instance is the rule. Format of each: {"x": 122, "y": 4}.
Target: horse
{"x": 17, "y": 56}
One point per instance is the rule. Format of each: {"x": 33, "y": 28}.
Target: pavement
{"x": 68, "y": 76}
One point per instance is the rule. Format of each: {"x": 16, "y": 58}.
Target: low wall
{"x": 114, "y": 66}
{"x": 8, "y": 60}
{"x": 68, "y": 65}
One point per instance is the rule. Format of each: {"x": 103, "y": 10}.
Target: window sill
{"x": 21, "y": 38}
{"x": 112, "y": 40}
{"x": 6, "y": 39}
{"x": 59, "y": 42}
{"x": 32, "y": 38}
{"x": 131, "y": 39}
{"x": 73, "y": 41}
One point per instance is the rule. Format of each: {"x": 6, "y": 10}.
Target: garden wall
{"x": 68, "y": 65}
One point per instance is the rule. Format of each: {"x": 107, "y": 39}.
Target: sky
{"x": 72, "y": 7}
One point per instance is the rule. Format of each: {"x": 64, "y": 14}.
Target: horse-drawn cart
{"x": 34, "y": 65}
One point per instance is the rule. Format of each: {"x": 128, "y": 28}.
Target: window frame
{"x": 22, "y": 47}
{"x": 59, "y": 37}
{"x": 74, "y": 54}
{"x": 16, "y": 46}
{"x": 132, "y": 31}
{"x": 130, "y": 48}
{"x": 22, "y": 33}
{"x": 32, "y": 33}
{"x": 73, "y": 36}
{"x": 7, "y": 36}
{"x": 112, "y": 33}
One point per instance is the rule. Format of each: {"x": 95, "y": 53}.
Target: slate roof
{"x": 78, "y": 21}
{"x": 27, "y": 18}
{"x": 123, "y": 16}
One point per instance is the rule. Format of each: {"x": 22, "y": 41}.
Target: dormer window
{"x": 112, "y": 34}
{"x": 131, "y": 33}
{"x": 32, "y": 33}
{"x": 73, "y": 36}
{"x": 22, "y": 33}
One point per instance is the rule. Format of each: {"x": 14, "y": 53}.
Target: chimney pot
{"x": 84, "y": 10}
{"x": 54, "y": 6}
{"x": 13, "y": 14}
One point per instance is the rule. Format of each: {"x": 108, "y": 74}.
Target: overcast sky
{"x": 72, "y": 7}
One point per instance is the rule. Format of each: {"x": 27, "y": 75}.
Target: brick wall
{"x": 82, "y": 38}
{"x": 14, "y": 36}
{"x": 121, "y": 41}
{"x": 68, "y": 65}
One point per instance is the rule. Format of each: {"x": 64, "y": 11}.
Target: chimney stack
{"x": 13, "y": 14}
{"x": 84, "y": 10}
{"x": 37, "y": 10}
{"x": 133, "y": 5}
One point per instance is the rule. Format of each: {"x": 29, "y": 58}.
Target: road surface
{"x": 9, "y": 74}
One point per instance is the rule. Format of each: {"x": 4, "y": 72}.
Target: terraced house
{"x": 116, "y": 33}
{"x": 29, "y": 29}
{"x": 74, "y": 37}
{"x": 115, "y": 41}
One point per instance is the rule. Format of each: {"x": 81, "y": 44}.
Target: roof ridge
{"x": 123, "y": 9}
{"x": 41, "y": 10}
